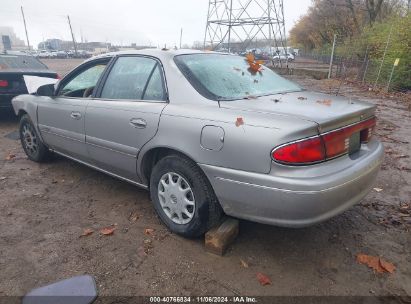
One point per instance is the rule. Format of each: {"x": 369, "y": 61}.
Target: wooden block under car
{"x": 219, "y": 238}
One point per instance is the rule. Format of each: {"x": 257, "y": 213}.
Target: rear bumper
{"x": 297, "y": 197}
{"x": 5, "y": 101}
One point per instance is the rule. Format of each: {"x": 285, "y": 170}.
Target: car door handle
{"x": 75, "y": 115}
{"x": 138, "y": 123}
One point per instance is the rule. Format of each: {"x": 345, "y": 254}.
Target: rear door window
{"x": 134, "y": 78}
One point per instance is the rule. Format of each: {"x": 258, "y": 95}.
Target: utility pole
{"x": 332, "y": 57}
{"x": 181, "y": 36}
{"x": 25, "y": 28}
{"x": 72, "y": 36}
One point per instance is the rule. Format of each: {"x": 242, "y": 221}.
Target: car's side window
{"x": 134, "y": 78}
{"x": 83, "y": 84}
{"x": 155, "y": 88}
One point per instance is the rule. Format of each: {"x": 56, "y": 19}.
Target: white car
{"x": 283, "y": 57}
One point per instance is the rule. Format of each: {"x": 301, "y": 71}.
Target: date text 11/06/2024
{"x": 236, "y": 299}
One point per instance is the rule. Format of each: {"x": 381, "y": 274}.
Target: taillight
{"x": 337, "y": 142}
{"x": 310, "y": 150}
{"x": 4, "y": 83}
{"x": 325, "y": 146}
{"x": 58, "y": 76}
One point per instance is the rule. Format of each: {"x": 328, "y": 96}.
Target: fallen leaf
{"x": 3, "y": 178}
{"x": 371, "y": 261}
{"x": 250, "y": 57}
{"x": 387, "y": 266}
{"x": 378, "y": 189}
{"x": 87, "y": 232}
{"x": 377, "y": 264}
{"x": 108, "y": 230}
{"x": 263, "y": 279}
{"x": 148, "y": 231}
{"x": 326, "y": 102}
{"x": 10, "y": 156}
{"x": 134, "y": 216}
{"x": 302, "y": 98}
{"x": 239, "y": 122}
{"x": 244, "y": 263}
{"x": 255, "y": 65}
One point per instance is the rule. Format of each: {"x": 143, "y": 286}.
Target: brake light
{"x": 323, "y": 147}
{"x": 311, "y": 150}
{"x": 4, "y": 83}
{"x": 58, "y": 76}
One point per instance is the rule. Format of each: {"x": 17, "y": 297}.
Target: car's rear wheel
{"x": 183, "y": 197}
{"x": 31, "y": 142}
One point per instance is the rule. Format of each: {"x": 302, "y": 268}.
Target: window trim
{"x": 103, "y": 80}
{"x": 77, "y": 71}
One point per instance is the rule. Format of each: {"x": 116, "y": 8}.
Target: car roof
{"x": 162, "y": 54}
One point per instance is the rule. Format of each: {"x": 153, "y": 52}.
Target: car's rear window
{"x": 228, "y": 77}
{"x": 20, "y": 62}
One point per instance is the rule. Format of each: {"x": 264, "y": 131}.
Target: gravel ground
{"x": 46, "y": 207}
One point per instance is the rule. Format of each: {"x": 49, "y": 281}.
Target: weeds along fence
{"x": 378, "y": 65}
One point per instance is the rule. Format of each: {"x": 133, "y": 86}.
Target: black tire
{"x": 206, "y": 212}
{"x": 36, "y": 151}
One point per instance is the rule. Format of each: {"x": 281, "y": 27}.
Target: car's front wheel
{"x": 183, "y": 197}
{"x": 31, "y": 142}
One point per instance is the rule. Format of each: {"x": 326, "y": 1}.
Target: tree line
{"x": 375, "y": 32}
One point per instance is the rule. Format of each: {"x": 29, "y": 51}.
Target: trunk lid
{"x": 15, "y": 81}
{"x": 327, "y": 111}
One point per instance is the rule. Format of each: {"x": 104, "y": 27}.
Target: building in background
{"x": 16, "y": 43}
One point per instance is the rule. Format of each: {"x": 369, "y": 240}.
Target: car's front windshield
{"x": 227, "y": 77}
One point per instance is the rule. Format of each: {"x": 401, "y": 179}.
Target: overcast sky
{"x": 122, "y": 22}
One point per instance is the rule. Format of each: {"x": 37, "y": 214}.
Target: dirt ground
{"x": 46, "y": 207}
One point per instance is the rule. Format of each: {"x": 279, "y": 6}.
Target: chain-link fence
{"x": 378, "y": 65}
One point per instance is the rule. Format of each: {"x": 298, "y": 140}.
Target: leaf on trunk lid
{"x": 376, "y": 263}
{"x": 263, "y": 279}
{"x": 239, "y": 122}
{"x": 326, "y": 102}
{"x": 108, "y": 230}
{"x": 87, "y": 232}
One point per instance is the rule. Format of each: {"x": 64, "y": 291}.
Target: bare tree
{"x": 373, "y": 9}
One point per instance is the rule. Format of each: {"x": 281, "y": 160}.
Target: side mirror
{"x": 46, "y": 90}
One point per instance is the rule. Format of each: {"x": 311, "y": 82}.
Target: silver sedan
{"x": 207, "y": 134}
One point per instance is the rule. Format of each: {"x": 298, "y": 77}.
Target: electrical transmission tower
{"x": 239, "y": 24}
